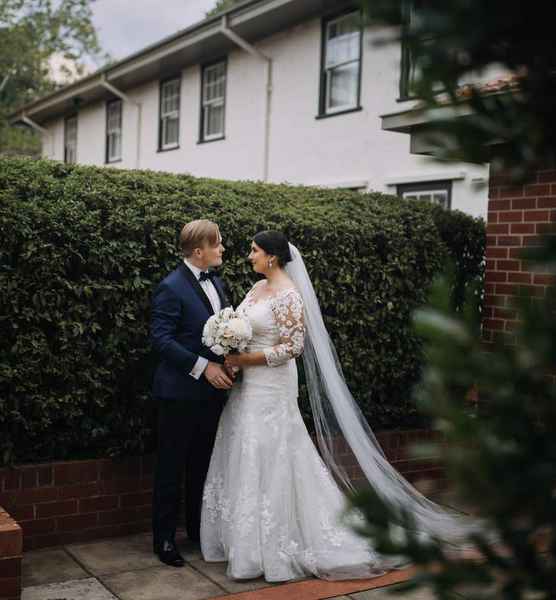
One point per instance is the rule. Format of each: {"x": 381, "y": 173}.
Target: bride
{"x": 271, "y": 504}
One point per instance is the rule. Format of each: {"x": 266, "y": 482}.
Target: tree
{"x": 502, "y": 457}
{"x": 32, "y": 33}
{"x": 455, "y": 40}
{"x": 501, "y": 460}
{"x": 222, "y": 5}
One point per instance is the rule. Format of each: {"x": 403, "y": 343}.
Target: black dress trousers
{"x": 186, "y": 432}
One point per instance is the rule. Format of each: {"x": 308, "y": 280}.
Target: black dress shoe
{"x": 169, "y": 555}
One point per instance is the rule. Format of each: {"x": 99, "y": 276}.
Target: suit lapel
{"x": 196, "y": 287}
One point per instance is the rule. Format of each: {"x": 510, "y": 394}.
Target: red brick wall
{"x": 10, "y": 557}
{"x": 396, "y": 446}
{"x": 516, "y": 217}
{"x": 66, "y": 502}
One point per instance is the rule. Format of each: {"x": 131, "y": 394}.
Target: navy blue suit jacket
{"x": 180, "y": 309}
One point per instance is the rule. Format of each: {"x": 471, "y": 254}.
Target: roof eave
{"x": 253, "y": 16}
{"x": 422, "y": 125}
{"x": 409, "y": 120}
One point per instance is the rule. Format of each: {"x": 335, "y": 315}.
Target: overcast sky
{"x": 126, "y": 26}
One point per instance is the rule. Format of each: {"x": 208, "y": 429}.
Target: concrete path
{"x": 126, "y": 569}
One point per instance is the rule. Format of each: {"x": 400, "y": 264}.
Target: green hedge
{"x": 82, "y": 249}
{"x": 465, "y": 240}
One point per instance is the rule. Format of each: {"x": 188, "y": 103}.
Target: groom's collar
{"x": 195, "y": 270}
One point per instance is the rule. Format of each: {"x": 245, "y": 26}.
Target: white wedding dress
{"x": 270, "y": 505}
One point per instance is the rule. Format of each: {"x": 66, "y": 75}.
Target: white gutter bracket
{"x": 111, "y": 88}
{"x": 232, "y": 35}
{"x": 34, "y": 125}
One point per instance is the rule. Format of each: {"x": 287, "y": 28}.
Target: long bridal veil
{"x": 340, "y": 425}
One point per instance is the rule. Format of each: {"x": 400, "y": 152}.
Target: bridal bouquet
{"x": 226, "y": 331}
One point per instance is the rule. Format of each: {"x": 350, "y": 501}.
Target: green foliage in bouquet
{"x": 83, "y": 247}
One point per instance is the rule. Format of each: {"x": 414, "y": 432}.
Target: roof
{"x": 502, "y": 84}
{"x": 201, "y": 42}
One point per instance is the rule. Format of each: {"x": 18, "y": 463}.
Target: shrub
{"x": 465, "y": 240}
{"x": 84, "y": 247}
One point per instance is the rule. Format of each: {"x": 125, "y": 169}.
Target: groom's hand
{"x": 217, "y": 376}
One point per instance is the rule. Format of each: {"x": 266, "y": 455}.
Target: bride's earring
{"x": 270, "y": 264}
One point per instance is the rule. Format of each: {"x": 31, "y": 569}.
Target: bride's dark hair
{"x": 274, "y": 243}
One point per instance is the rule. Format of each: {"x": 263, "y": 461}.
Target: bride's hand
{"x": 232, "y": 360}
{"x": 232, "y": 371}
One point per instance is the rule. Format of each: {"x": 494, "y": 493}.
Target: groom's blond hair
{"x": 197, "y": 234}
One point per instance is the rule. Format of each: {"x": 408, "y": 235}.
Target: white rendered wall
{"x": 335, "y": 151}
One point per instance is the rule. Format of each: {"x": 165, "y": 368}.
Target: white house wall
{"x": 91, "y": 129}
{"x": 53, "y": 143}
{"x": 343, "y": 150}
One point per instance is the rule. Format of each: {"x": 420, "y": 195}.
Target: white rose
{"x": 239, "y": 327}
{"x": 209, "y": 333}
{"x": 227, "y": 331}
{"x": 218, "y": 350}
{"x": 221, "y": 329}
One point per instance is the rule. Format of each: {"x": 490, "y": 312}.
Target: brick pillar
{"x": 517, "y": 215}
{"x": 11, "y": 548}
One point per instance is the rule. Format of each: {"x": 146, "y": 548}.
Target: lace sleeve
{"x": 288, "y": 312}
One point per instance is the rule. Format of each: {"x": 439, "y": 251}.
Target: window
{"x": 213, "y": 101}
{"x": 169, "y": 131}
{"x": 114, "y": 131}
{"x": 409, "y": 71}
{"x": 70, "y": 139}
{"x": 436, "y": 192}
{"x": 341, "y": 64}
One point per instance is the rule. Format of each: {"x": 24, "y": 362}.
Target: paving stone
{"x": 162, "y": 583}
{"x": 217, "y": 572}
{"x": 188, "y": 549}
{"x": 115, "y": 555}
{"x": 49, "y": 566}
{"x": 80, "y": 589}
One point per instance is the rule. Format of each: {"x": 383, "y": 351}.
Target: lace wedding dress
{"x": 270, "y": 505}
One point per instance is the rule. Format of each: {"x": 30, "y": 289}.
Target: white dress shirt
{"x": 209, "y": 289}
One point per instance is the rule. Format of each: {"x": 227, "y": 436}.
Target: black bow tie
{"x": 206, "y": 275}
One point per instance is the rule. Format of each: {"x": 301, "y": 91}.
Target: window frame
{"x": 407, "y": 66}
{"x": 203, "y": 139}
{"x": 162, "y": 147}
{"x": 407, "y": 60}
{"x": 444, "y": 185}
{"x": 66, "y": 121}
{"x": 323, "y": 111}
{"x": 108, "y": 159}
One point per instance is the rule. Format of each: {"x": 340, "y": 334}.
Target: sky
{"x": 126, "y": 26}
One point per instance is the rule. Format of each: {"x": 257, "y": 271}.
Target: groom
{"x": 189, "y": 384}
